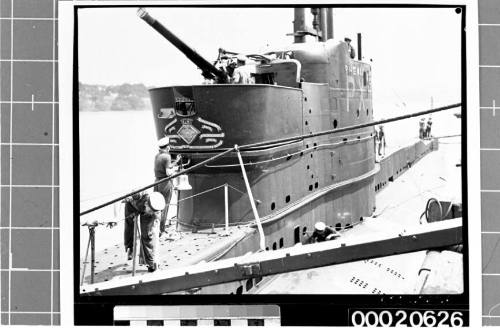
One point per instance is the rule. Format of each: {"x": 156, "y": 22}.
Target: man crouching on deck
{"x": 148, "y": 207}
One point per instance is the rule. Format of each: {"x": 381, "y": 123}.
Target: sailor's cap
{"x": 157, "y": 201}
{"x": 320, "y": 226}
{"x": 163, "y": 142}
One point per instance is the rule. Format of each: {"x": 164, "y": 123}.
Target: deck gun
{"x": 209, "y": 71}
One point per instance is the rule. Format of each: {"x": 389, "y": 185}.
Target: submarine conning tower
{"x": 304, "y": 88}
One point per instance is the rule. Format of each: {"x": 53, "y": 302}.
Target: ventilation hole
{"x": 310, "y": 187}
{"x": 267, "y": 248}
{"x": 154, "y": 323}
{"x": 344, "y": 140}
{"x": 255, "y": 322}
{"x": 273, "y": 206}
{"x": 316, "y": 185}
{"x": 315, "y": 144}
{"x": 222, "y": 322}
{"x": 348, "y": 226}
{"x": 310, "y": 111}
{"x": 305, "y": 98}
{"x": 301, "y": 153}
{"x": 307, "y": 146}
{"x": 289, "y": 157}
{"x": 274, "y": 246}
{"x": 311, "y": 155}
{"x": 360, "y": 219}
{"x": 312, "y": 176}
{"x": 189, "y": 322}
{"x": 338, "y": 226}
{"x": 249, "y": 284}
{"x": 296, "y": 235}
{"x": 287, "y": 198}
{"x": 335, "y": 123}
{"x": 282, "y": 242}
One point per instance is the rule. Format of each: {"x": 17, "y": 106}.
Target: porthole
{"x": 310, "y": 187}
{"x": 357, "y": 113}
{"x": 338, "y": 226}
{"x": 282, "y": 242}
{"x": 311, "y": 155}
{"x": 335, "y": 123}
{"x": 316, "y": 185}
{"x": 239, "y": 290}
{"x": 367, "y": 111}
{"x": 274, "y": 246}
{"x": 308, "y": 167}
{"x": 273, "y": 206}
{"x": 287, "y": 199}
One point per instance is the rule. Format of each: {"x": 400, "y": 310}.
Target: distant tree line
{"x": 117, "y": 97}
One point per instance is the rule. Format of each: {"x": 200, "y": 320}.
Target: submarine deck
{"x": 178, "y": 249}
{"x": 399, "y": 205}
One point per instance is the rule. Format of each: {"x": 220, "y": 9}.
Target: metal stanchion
{"x": 85, "y": 262}
{"x": 226, "y": 208}
{"x": 92, "y": 252}
{"x": 134, "y": 246}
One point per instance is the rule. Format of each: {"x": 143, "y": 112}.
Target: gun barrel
{"x": 209, "y": 71}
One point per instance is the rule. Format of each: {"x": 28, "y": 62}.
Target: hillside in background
{"x": 116, "y": 98}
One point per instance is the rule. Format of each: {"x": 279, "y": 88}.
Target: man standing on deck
{"x": 428, "y": 128}
{"x": 381, "y": 141}
{"x": 164, "y": 167}
{"x": 148, "y": 207}
{"x": 421, "y": 128}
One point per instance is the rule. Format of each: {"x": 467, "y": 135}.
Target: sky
{"x": 414, "y": 53}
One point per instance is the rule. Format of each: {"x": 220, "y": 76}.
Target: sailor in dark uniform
{"x": 148, "y": 207}
{"x": 428, "y": 128}
{"x": 322, "y": 232}
{"x": 421, "y": 128}
{"x": 164, "y": 167}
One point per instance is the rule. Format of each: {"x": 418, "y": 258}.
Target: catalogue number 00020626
{"x": 394, "y": 317}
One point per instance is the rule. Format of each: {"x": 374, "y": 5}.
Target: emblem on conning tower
{"x": 193, "y": 132}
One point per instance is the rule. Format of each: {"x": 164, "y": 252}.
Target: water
{"x": 116, "y": 156}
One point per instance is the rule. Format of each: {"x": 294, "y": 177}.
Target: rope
{"x": 270, "y": 143}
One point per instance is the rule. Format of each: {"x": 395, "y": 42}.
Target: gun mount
{"x": 209, "y": 71}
